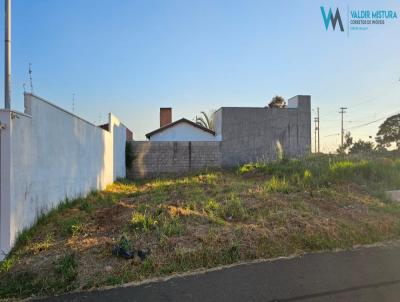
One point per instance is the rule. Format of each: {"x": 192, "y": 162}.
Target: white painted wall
{"x": 5, "y": 188}
{"x": 182, "y": 132}
{"x": 52, "y": 155}
{"x": 218, "y": 124}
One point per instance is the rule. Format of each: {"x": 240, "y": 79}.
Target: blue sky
{"x": 132, "y": 57}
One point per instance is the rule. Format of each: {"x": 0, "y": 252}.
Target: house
{"x": 241, "y": 135}
{"x": 180, "y": 130}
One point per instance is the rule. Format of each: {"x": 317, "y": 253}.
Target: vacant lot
{"x": 205, "y": 220}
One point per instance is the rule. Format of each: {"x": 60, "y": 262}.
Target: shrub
{"x": 307, "y": 177}
{"x": 346, "y": 170}
{"x": 361, "y": 147}
{"x": 124, "y": 242}
{"x": 246, "y": 168}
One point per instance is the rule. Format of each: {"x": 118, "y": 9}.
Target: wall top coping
{"x": 62, "y": 109}
{"x": 16, "y": 112}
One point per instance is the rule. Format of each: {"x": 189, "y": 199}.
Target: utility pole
{"x": 7, "y": 52}
{"x": 342, "y": 112}
{"x": 318, "y": 129}
{"x": 315, "y": 134}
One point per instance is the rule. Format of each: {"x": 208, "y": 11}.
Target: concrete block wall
{"x": 252, "y": 134}
{"x": 243, "y": 135}
{"x": 159, "y": 158}
{"x": 48, "y": 155}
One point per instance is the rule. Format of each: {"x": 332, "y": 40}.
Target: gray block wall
{"x": 251, "y": 134}
{"x": 160, "y": 158}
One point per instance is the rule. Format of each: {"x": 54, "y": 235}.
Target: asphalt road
{"x": 367, "y": 274}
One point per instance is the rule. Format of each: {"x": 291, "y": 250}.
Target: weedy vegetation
{"x": 203, "y": 220}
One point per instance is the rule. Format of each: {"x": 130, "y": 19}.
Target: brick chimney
{"x": 165, "y": 116}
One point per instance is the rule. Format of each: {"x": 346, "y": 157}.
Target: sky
{"x": 133, "y": 57}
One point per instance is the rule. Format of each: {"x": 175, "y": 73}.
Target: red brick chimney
{"x": 165, "y": 116}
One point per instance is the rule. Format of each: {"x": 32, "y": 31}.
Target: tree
{"x": 206, "y": 120}
{"x": 380, "y": 146}
{"x": 361, "y": 147}
{"x": 389, "y": 132}
{"x": 277, "y": 102}
{"x": 348, "y": 141}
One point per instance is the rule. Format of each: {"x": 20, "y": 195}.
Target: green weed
{"x": 277, "y": 185}
{"x": 67, "y": 268}
{"x": 143, "y": 222}
{"x": 233, "y": 209}
{"x": 171, "y": 227}
{"x": 71, "y": 227}
{"x": 212, "y": 206}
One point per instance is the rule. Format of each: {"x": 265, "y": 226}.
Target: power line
{"x": 372, "y": 122}
{"x": 334, "y": 134}
{"x": 369, "y": 100}
{"x": 365, "y": 124}
{"x": 365, "y": 117}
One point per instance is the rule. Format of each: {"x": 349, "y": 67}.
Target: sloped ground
{"x": 205, "y": 220}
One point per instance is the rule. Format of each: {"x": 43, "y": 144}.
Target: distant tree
{"x": 389, "y": 132}
{"x": 277, "y": 102}
{"x": 348, "y": 141}
{"x": 206, "y": 120}
{"x": 361, "y": 146}
{"x": 380, "y": 146}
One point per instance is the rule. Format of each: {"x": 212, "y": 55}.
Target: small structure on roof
{"x": 180, "y": 130}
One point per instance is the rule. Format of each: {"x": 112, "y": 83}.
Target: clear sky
{"x": 132, "y": 57}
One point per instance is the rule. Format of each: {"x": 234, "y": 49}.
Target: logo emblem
{"x": 332, "y": 19}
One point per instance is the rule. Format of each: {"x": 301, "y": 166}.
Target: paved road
{"x": 368, "y": 274}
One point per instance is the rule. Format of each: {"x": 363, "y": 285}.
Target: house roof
{"x": 182, "y": 120}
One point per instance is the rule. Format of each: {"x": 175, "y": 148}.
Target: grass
{"x": 143, "y": 222}
{"x": 66, "y": 268}
{"x": 233, "y": 209}
{"x": 260, "y": 210}
{"x": 277, "y": 185}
